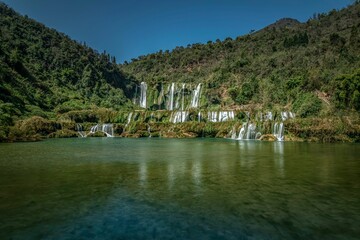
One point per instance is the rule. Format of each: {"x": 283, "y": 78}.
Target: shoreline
{"x": 335, "y": 129}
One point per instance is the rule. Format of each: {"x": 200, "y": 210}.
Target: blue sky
{"x": 128, "y": 29}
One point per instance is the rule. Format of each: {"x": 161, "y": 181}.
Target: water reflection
{"x": 196, "y": 174}
{"x": 248, "y": 153}
{"x": 179, "y": 189}
{"x": 171, "y": 175}
{"x": 143, "y": 173}
{"x": 279, "y": 157}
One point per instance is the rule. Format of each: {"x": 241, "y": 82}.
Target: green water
{"x": 116, "y": 188}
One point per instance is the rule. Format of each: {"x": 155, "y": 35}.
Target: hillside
{"x": 53, "y": 86}
{"x": 44, "y": 72}
{"x": 290, "y": 65}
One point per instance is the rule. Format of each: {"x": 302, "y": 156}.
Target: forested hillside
{"x": 311, "y": 68}
{"x": 53, "y": 86}
{"x": 44, "y": 72}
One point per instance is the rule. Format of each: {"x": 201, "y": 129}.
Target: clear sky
{"x": 128, "y": 29}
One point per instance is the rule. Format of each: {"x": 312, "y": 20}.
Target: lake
{"x": 118, "y": 188}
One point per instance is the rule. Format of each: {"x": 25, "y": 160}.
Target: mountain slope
{"x": 43, "y": 71}
{"x": 52, "y": 86}
{"x": 284, "y": 64}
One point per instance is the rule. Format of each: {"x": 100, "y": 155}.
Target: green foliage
{"x": 288, "y": 61}
{"x": 347, "y": 91}
{"x": 33, "y": 128}
{"x": 300, "y": 39}
{"x": 307, "y": 105}
{"x": 335, "y": 39}
{"x": 243, "y": 94}
{"x": 42, "y": 71}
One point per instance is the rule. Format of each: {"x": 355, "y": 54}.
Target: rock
{"x": 267, "y": 137}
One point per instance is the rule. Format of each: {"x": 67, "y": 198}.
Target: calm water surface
{"x": 116, "y": 188}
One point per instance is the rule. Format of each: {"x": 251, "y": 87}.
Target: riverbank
{"x": 333, "y": 129}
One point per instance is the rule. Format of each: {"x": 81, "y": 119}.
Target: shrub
{"x": 347, "y": 91}
{"x": 307, "y": 105}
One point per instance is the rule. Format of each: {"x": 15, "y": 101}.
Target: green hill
{"x": 44, "y": 72}
{"x": 290, "y": 65}
{"x": 53, "y": 86}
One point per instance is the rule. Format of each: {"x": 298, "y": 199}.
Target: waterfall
{"x": 242, "y": 131}
{"x": 179, "y": 116}
{"x": 182, "y": 100}
{"x": 284, "y": 115}
{"x": 105, "y": 128}
{"x": 221, "y": 116}
{"x": 226, "y": 116}
{"x": 232, "y": 133}
{"x": 80, "y": 130}
{"x": 94, "y": 129}
{"x": 278, "y": 131}
{"x": 171, "y": 97}
{"x": 161, "y": 95}
{"x": 128, "y": 120}
{"x": 287, "y": 115}
{"x": 178, "y": 98}
{"x": 143, "y": 88}
{"x": 196, "y": 96}
{"x": 108, "y": 130}
{"x": 212, "y": 116}
{"x": 199, "y": 116}
{"x": 248, "y": 131}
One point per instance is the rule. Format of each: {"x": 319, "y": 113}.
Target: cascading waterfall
{"x": 108, "y": 130}
{"x": 80, "y": 130}
{"x": 287, "y": 115}
{"x": 128, "y": 119}
{"x": 181, "y": 97}
{"x": 233, "y": 133}
{"x": 178, "y": 98}
{"x": 226, "y": 116}
{"x": 248, "y": 131}
{"x": 171, "y": 97}
{"x": 212, "y": 116}
{"x": 278, "y": 131}
{"x": 105, "y": 128}
{"x": 182, "y": 100}
{"x": 94, "y": 129}
{"x": 221, "y": 116}
{"x": 179, "y": 116}
{"x": 196, "y": 97}
{"x": 143, "y": 89}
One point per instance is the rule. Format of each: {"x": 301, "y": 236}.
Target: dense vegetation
{"x": 49, "y": 83}
{"x": 44, "y": 72}
{"x": 298, "y": 66}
